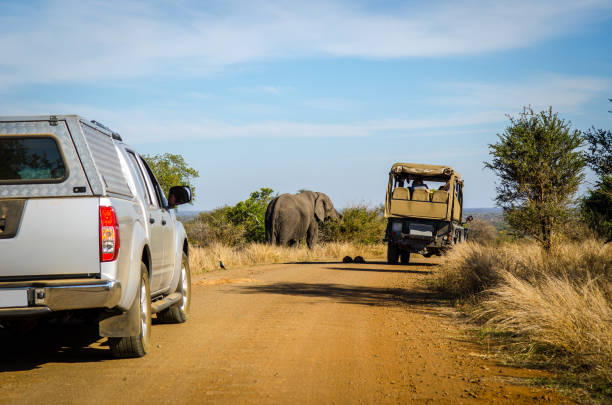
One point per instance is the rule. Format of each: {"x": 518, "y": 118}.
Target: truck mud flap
{"x": 11, "y": 212}
{"x": 125, "y": 324}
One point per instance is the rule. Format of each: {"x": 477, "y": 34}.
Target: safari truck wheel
{"x": 137, "y": 346}
{"x": 178, "y": 313}
{"x": 405, "y": 257}
{"x": 392, "y": 254}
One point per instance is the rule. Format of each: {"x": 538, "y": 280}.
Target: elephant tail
{"x": 271, "y": 233}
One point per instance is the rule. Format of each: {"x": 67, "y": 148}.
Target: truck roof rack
{"x": 114, "y": 134}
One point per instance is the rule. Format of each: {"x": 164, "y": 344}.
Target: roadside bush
{"x": 251, "y": 214}
{"x": 482, "y": 231}
{"x": 554, "y": 320}
{"x": 554, "y": 306}
{"x": 243, "y": 223}
{"x": 360, "y": 224}
{"x": 214, "y": 227}
{"x": 470, "y": 269}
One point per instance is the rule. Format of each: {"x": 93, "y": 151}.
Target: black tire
{"x": 178, "y": 313}
{"x": 137, "y": 346}
{"x": 392, "y": 254}
{"x": 405, "y": 257}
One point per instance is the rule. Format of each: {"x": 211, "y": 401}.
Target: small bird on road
{"x": 221, "y": 265}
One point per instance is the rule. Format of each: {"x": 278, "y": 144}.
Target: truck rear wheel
{"x": 392, "y": 254}
{"x": 405, "y": 257}
{"x": 137, "y": 346}
{"x": 178, "y": 312}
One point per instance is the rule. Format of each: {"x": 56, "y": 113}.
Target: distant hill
{"x": 493, "y": 215}
{"x": 186, "y": 215}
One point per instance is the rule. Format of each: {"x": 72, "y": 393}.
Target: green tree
{"x": 599, "y": 153}
{"x": 539, "y": 168}
{"x": 251, "y": 214}
{"x": 172, "y": 170}
{"x": 596, "y": 207}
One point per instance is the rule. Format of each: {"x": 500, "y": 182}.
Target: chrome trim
{"x": 53, "y": 296}
{"x": 167, "y": 302}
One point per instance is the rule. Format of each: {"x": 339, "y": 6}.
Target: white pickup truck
{"x": 84, "y": 226}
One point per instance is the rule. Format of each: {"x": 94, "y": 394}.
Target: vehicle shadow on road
{"x": 27, "y": 350}
{"x": 416, "y": 264}
{"x": 368, "y": 262}
{"x": 346, "y": 294}
{"x": 406, "y": 271}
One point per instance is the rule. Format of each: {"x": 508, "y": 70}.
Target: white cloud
{"x": 563, "y": 93}
{"x": 66, "y": 40}
{"x": 266, "y": 89}
{"x": 150, "y": 126}
{"x": 475, "y": 105}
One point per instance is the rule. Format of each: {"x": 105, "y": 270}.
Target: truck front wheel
{"x": 137, "y": 346}
{"x": 392, "y": 254}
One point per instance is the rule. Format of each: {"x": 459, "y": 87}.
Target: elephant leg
{"x": 312, "y": 235}
{"x": 285, "y": 239}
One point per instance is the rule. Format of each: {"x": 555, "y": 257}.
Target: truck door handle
{"x": 151, "y": 220}
{"x": 163, "y": 222}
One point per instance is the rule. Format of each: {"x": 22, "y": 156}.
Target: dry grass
{"x": 554, "y": 316}
{"x": 554, "y": 308}
{"x": 202, "y": 259}
{"x": 471, "y": 268}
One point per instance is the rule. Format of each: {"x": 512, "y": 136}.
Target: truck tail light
{"x": 109, "y": 234}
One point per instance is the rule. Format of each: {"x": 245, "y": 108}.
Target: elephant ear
{"x": 319, "y": 209}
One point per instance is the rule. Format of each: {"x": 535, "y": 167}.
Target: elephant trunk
{"x": 336, "y": 215}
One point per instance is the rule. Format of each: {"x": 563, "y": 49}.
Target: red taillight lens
{"x": 109, "y": 234}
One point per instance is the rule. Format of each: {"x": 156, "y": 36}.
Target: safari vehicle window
{"x": 31, "y": 159}
{"x": 431, "y": 185}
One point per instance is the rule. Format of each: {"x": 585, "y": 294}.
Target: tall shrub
{"x": 539, "y": 168}
{"x": 597, "y": 205}
{"x": 360, "y": 224}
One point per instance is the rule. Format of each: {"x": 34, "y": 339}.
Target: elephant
{"x": 290, "y": 217}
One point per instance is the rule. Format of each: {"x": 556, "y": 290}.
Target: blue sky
{"x": 323, "y": 95}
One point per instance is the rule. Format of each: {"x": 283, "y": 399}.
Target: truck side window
{"x": 149, "y": 184}
{"x": 139, "y": 179}
{"x": 158, "y": 191}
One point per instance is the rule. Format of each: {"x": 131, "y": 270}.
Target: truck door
{"x": 167, "y": 223}
{"x": 153, "y": 219}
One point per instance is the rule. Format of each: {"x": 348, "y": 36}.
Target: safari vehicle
{"x": 420, "y": 220}
{"x": 86, "y": 232}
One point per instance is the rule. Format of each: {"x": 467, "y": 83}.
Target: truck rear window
{"x": 31, "y": 159}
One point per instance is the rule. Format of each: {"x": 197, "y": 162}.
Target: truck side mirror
{"x": 179, "y": 195}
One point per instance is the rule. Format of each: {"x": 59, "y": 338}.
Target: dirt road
{"x": 300, "y": 333}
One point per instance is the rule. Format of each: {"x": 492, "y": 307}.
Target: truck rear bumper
{"x": 44, "y": 296}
